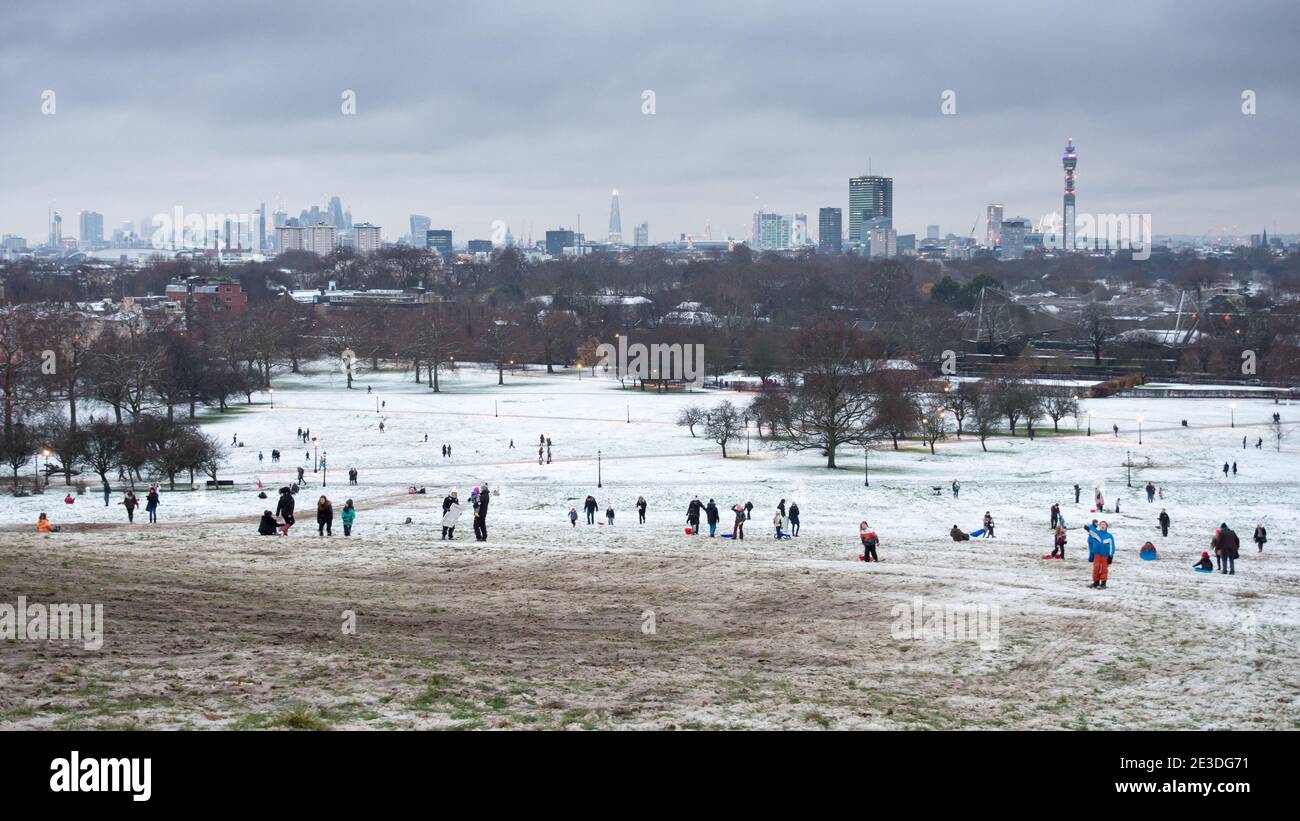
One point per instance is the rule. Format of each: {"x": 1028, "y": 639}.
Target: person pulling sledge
{"x": 870, "y": 541}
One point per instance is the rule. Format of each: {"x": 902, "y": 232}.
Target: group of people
{"x": 269, "y": 526}
{"x": 479, "y": 499}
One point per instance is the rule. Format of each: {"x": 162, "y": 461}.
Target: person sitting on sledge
{"x": 268, "y": 526}
{"x": 1148, "y": 551}
{"x": 958, "y": 535}
{"x": 870, "y": 541}
{"x": 1205, "y": 564}
{"x": 43, "y": 525}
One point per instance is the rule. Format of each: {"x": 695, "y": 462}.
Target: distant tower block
{"x": 615, "y": 221}
{"x": 1068, "y": 160}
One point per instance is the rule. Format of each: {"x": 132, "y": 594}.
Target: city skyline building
{"x": 1069, "y": 160}
{"x": 615, "y": 221}
{"x": 871, "y": 200}
{"x": 830, "y": 231}
{"x": 993, "y": 216}
{"x": 439, "y": 239}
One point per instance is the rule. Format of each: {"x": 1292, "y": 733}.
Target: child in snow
{"x": 43, "y": 525}
{"x": 778, "y": 521}
{"x": 1101, "y": 550}
{"x": 1205, "y": 563}
{"x": 988, "y": 525}
{"x": 958, "y": 535}
{"x": 609, "y": 515}
{"x": 870, "y": 541}
{"x": 573, "y": 517}
{"x": 1148, "y": 551}
{"x": 268, "y": 525}
{"x": 1261, "y": 536}
{"x": 1058, "y": 544}
{"x": 738, "y": 529}
{"x": 348, "y": 515}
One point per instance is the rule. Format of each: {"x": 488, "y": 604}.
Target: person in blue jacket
{"x": 1101, "y": 549}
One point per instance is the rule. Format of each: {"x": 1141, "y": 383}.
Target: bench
{"x": 220, "y": 483}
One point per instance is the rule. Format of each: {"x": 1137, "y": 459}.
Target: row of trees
{"x": 843, "y": 394}
{"x": 164, "y": 447}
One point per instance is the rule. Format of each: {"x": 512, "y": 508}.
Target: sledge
{"x": 784, "y": 536}
{"x": 975, "y": 534}
{"x": 1147, "y": 557}
{"x": 1050, "y": 556}
{"x": 1202, "y": 570}
{"x": 726, "y": 535}
{"x": 688, "y": 531}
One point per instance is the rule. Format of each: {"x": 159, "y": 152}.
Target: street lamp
{"x": 866, "y": 467}
{"x": 1129, "y": 463}
{"x": 746, "y": 436}
{"x": 271, "y": 391}
{"x": 45, "y": 466}
{"x": 376, "y": 403}
{"x": 629, "y": 412}
{"x": 1090, "y": 423}
{"x": 315, "y": 465}
{"x": 324, "y": 470}
{"x": 1232, "y": 410}
{"x": 598, "y": 477}
{"x": 1139, "y": 430}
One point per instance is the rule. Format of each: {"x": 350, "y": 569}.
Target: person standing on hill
{"x": 480, "y": 514}
{"x": 1225, "y": 470}
{"x": 284, "y": 509}
{"x": 151, "y": 502}
{"x": 956, "y": 488}
{"x": 713, "y": 516}
{"x": 324, "y": 517}
{"x": 1151, "y": 492}
{"x": 1164, "y": 522}
{"x": 870, "y": 541}
{"x": 640, "y": 509}
{"x": 738, "y": 529}
{"x": 693, "y": 515}
{"x": 590, "y": 506}
{"x": 1058, "y": 544}
{"x": 1101, "y": 550}
{"x": 1229, "y": 548}
{"x": 130, "y": 503}
{"x": 1076, "y": 494}
{"x": 1261, "y": 536}
{"x": 348, "y": 515}
{"x": 1056, "y": 515}
{"x": 988, "y": 525}
{"x": 794, "y": 519}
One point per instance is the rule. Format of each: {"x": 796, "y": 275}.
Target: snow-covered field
{"x": 209, "y": 625}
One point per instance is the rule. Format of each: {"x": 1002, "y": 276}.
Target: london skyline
{"x": 531, "y": 115}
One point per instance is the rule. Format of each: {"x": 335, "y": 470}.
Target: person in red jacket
{"x": 870, "y": 541}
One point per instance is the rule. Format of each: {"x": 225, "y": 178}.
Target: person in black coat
{"x": 1164, "y": 522}
{"x": 794, "y": 519}
{"x": 268, "y": 525}
{"x": 1261, "y": 536}
{"x": 284, "y": 509}
{"x": 640, "y": 508}
{"x": 693, "y": 515}
{"x": 590, "y": 507}
{"x": 712, "y": 516}
{"x": 480, "y": 516}
{"x": 1229, "y": 549}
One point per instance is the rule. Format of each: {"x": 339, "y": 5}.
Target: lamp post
{"x": 1090, "y": 423}
{"x": 1076, "y": 411}
{"x": 629, "y": 412}
{"x": 1232, "y": 411}
{"x": 1139, "y": 430}
{"x": 598, "y": 476}
{"x": 617, "y": 365}
{"x": 866, "y": 467}
{"x": 1129, "y": 463}
{"x": 271, "y": 391}
{"x": 324, "y": 469}
{"x": 376, "y": 403}
{"x": 746, "y": 436}
{"x": 496, "y": 409}
{"x": 315, "y": 447}
{"x": 45, "y": 468}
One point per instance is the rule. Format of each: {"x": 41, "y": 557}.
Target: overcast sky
{"x": 531, "y": 112}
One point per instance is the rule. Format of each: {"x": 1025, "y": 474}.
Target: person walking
{"x": 1101, "y": 550}
{"x": 130, "y": 503}
{"x": 1164, "y": 522}
{"x": 301, "y": 471}
{"x": 1056, "y": 515}
{"x": 640, "y": 509}
{"x": 480, "y": 515}
{"x": 1229, "y": 549}
{"x": 1225, "y": 470}
{"x": 711, "y": 514}
{"x": 590, "y": 506}
{"x": 1261, "y": 536}
{"x": 324, "y": 517}
{"x": 794, "y": 519}
{"x": 749, "y": 510}
{"x": 1234, "y": 469}
{"x": 609, "y": 515}
{"x": 573, "y": 517}
{"x": 738, "y": 529}
{"x": 870, "y": 541}
{"x": 348, "y": 515}
{"x": 956, "y": 488}
{"x": 1076, "y": 494}
{"x": 988, "y": 525}
{"x": 108, "y": 491}
{"x": 151, "y": 502}
{"x": 1151, "y": 493}
{"x": 1058, "y": 544}
{"x": 352, "y": 476}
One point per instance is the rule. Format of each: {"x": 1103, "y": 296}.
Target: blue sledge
{"x": 1202, "y": 570}
{"x": 726, "y": 535}
{"x": 975, "y": 534}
